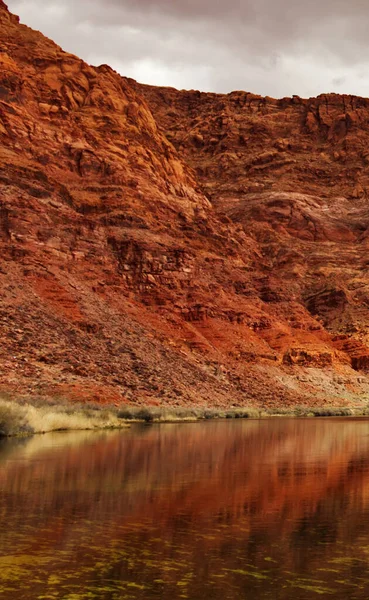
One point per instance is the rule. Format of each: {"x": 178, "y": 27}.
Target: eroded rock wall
{"x": 176, "y": 247}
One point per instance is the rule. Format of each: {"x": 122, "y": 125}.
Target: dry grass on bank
{"x": 26, "y": 419}
{"x": 167, "y": 414}
{"x": 36, "y": 415}
{"x": 30, "y": 416}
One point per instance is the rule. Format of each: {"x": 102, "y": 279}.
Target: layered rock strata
{"x": 175, "y": 247}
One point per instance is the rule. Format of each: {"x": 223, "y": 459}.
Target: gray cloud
{"x": 271, "y": 47}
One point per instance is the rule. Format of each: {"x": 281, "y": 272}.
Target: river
{"x": 220, "y": 510}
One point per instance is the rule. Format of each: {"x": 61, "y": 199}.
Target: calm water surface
{"x": 218, "y": 510}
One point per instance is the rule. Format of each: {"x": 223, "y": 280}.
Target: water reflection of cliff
{"x": 265, "y": 484}
{"x": 251, "y": 467}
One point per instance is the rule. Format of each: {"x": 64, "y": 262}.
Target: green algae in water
{"x": 163, "y": 535}
{"x": 16, "y": 568}
{"x": 269, "y": 559}
{"x": 53, "y": 580}
{"x": 254, "y": 574}
{"x": 316, "y": 589}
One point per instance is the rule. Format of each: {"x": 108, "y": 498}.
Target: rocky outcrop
{"x": 176, "y": 247}
{"x": 292, "y": 175}
{"x": 241, "y": 143}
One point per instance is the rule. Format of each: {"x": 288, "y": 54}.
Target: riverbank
{"x": 167, "y": 415}
{"x": 25, "y": 418}
{"x": 28, "y": 417}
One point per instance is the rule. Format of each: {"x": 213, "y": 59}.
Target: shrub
{"x": 13, "y": 419}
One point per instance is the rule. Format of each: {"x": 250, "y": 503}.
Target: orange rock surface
{"x": 167, "y": 247}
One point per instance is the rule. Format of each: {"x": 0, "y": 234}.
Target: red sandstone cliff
{"x": 177, "y": 247}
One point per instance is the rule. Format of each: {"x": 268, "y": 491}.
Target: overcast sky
{"x": 270, "y": 47}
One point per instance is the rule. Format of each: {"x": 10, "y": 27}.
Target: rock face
{"x": 175, "y": 247}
